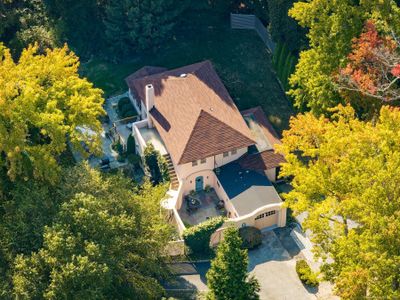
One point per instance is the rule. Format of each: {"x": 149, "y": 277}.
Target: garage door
{"x": 266, "y": 219}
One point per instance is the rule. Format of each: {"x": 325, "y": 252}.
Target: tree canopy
{"x": 105, "y": 242}
{"x": 43, "y": 103}
{"x": 345, "y": 177}
{"x": 373, "y": 66}
{"x": 331, "y": 27}
{"x": 227, "y": 278}
{"x": 137, "y": 25}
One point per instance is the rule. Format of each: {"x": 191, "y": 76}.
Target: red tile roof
{"x": 267, "y": 128}
{"x": 145, "y": 71}
{"x": 266, "y": 159}
{"x": 193, "y": 113}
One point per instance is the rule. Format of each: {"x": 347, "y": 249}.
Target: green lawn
{"x": 239, "y": 56}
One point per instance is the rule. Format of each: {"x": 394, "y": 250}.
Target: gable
{"x": 210, "y": 137}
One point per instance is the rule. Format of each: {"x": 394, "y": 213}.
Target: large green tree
{"x": 23, "y": 22}
{"x": 346, "y": 178}
{"x": 331, "y": 27}
{"x": 283, "y": 28}
{"x": 227, "y": 278}
{"x": 43, "y": 102}
{"x": 80, "y": 23}
{"x": 133, "y": 25}
{"x": 106, "y": 242}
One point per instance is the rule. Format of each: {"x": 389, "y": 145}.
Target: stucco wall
{"x": 184, "y": 170}
{"x": 220, "y": 160}
{"x": 271, "y": 174}
{"x": 249, "y": 219}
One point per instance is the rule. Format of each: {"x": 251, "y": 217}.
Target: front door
{"x": 199, "y": 183}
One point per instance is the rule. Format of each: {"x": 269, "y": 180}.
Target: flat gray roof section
{"x": 246, "y": 189}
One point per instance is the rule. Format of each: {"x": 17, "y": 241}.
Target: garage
{"x": 267, "y": 219}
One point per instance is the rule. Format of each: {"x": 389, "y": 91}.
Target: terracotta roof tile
{"x": 145, "y": 71}
{"x": 265, "y": 160}
{"x": 193, "y": 113}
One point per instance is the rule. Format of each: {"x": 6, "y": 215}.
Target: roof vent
{"x": 212, "y": 109}
{"x": 183, "y": 75}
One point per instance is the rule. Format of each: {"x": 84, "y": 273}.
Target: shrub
{"x": 155, "y": 164}
{"x": 197, "y": 238}
{"x": 251, "y": 237}
{"x": 306, "y": 275}
{"x": 130, "y": 145}
{"x": 133, "y": 159}
{"x": 118, "y": 147}
{"x": 129, "y": 113}
{"x": 122, "y": 102}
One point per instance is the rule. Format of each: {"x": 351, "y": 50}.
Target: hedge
{"x": 197, "y": 237}
{"x": 306, "y": 275}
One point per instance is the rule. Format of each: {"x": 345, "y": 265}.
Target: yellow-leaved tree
{"x": 346, "y": 178}
{"x": 42, "y": 103}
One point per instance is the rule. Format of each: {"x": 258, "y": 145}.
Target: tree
{"x": 136, "y": 25}
{"x": 283, "y": 28}
{"x": 79, "y": 22}
{"x": 106, "y": 242}
{"x": 44, "y": 102}
{"x": 331, "y": 27}
{"x": 373, "y": 67}
{"x": 155, "y": 164}
{"x": 228, "y": 278}
{"x": 24, "y": 22}
{"x": 345, "y": 177}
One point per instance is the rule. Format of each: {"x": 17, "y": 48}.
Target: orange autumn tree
{"x": 373, "y": 67}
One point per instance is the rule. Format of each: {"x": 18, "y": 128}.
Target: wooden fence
{"x": 242, "y": 21}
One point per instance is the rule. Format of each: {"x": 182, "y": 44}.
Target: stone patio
{"x": 207, "y": 209}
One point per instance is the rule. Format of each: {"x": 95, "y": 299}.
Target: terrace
{"x": 151, "y": 135}
{"x": 208, "y": 206}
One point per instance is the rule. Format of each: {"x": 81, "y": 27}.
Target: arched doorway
{"x": 199, "y": 183}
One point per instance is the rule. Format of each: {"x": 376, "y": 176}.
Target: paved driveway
{"x": 273, "y": 264}
{"x": 274, "y": 268}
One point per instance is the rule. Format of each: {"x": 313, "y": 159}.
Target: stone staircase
{"x": 171, "y": 171}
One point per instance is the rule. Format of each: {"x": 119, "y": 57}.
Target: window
{"x": 203, "y": 161}
{"x": 194, "y": 163}
{"x": 234, "y": 151}
{"x": 259, "y": 217}
{"x": 268, "y": 213}
{"x": 225, "y": 154}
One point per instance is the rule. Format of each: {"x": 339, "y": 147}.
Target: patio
{"x": 150, "y": 135}
{"x": 206, "y": 209}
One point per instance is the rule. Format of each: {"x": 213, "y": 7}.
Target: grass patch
{"x": 239, "y": 56}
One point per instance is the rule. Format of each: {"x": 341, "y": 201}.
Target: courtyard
{"x": 206, "y": 208}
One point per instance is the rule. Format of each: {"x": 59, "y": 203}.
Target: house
{"x": 217, "y": 156}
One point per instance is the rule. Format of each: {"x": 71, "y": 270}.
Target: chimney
{"x": 149, "y": 103}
